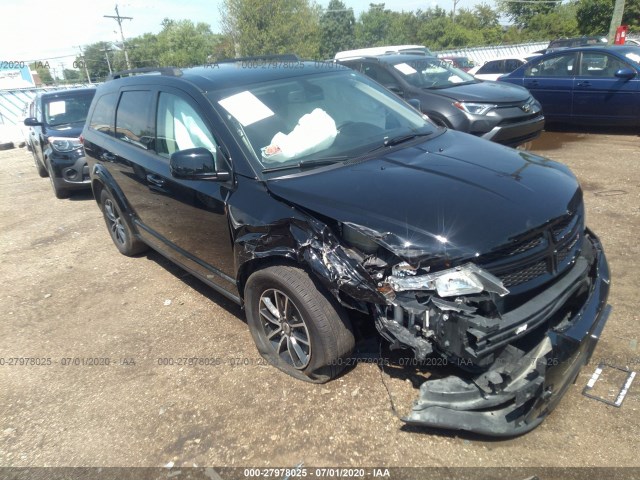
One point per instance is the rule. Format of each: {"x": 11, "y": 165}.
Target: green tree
{"x": 337, "y": 29}
{"x": 73, "y": 76}
{"x": 95, "y": 60}
{"x": 262, "y": 28}
{"x": 594, "y": 16}
{"x": 522, "y": 13}
{"x": 42, "y": 69}
{"x": 373, "y": 26}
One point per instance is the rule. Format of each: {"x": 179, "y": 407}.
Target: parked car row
{"x": 585, "y": 85}
{"x": 309, "y": 194}
{"x": 55, "y": 121}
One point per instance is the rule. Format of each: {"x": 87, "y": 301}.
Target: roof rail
{"x": 286, "y": 57}
{"x": 170, "y": 71}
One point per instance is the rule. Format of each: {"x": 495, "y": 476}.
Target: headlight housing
{"x": 464, "y": 280}
{"x": 475, "y": 108}
{"x": 64, "y": 145}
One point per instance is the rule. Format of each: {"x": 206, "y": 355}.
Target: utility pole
{"x": 106, "y": 54}
{"x": 64, "y": 79}
{"x": 84, "y": 62}
{"x": 119, "y": 19}
{"x": 453, "y": 14}
{"x": 616, "y": 20}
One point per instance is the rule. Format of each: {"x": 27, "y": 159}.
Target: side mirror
{"x": 31, "y": 122}
{"x": 415, "y": 103}
{"x": 625, "y": 73}
{"x": 195, "y": 164}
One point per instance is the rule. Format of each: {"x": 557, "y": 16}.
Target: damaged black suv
{"x": 304, "y": 191}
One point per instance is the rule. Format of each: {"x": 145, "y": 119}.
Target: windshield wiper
{"x": 391, "y": 142}
{"x": 306, "y": 163}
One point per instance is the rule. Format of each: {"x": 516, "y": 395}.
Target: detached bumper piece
{"x": 523, "y": 385}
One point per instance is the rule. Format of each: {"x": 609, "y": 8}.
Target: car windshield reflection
{"x": 289, "y": 121}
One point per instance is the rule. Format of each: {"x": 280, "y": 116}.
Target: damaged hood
{"x": 452, "y": 197}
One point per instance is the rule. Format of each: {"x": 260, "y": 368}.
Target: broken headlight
{"x": 464, "y": 280}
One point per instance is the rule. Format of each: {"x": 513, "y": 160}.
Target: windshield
{"x": 317, "y": 119}
{"x": 65, "y": 110}
{"x": 432, "y": 73}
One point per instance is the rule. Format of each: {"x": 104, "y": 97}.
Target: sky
{"x": 53, "y": 31}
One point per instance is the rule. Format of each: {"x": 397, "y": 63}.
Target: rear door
{"x": 550, "y": 81}
{"x": 601, "y": 97}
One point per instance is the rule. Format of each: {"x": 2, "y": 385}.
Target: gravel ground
{"x": 67, "y": 293}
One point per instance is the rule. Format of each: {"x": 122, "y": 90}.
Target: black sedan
{"x": 585, "y": 85}
{"x": 455, "y": 99}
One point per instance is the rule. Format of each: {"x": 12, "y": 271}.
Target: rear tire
{"x": 297, "y": 328}
{"x": 119, "y": 228}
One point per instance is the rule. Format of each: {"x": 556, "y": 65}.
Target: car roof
{"x": 621, "y": 49}
{"x": 218, "y": 76}
{"x": 394, "y": 59}
{"x": 71, "y": 92}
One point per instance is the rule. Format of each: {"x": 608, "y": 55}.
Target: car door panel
{"x": 186, "y": 218}
{"x": 551, "y": 83}
{"x": 600, "y": 96}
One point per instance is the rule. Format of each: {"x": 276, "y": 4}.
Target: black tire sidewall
{"x": 321, "y": 368}
{"x": 131, "y": 246}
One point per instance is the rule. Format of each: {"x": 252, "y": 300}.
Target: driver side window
{"x": 180, "y": 127}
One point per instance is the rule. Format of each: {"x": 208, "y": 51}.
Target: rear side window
{"x": 133, "y": 122}
{"x": 103, "y": 114}
{"x": 491, "y": 67}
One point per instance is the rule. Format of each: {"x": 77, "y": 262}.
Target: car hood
{"x": 453, "y": 197}
{"x": 485, "y": 92}
{"x": 69, "y": 130}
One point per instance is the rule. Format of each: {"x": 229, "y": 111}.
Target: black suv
{"x": 307, "y": 192}
{"x": 56, "y": 121}
{"x": 455, "y": 99}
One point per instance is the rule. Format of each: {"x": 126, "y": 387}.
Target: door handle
{"x": 532, "y": 83}
{"x": 156, "y": 183}
{"x": 583, "y": 84}
{"x": 155, "y": 180}
{"x": 108, "y": 156}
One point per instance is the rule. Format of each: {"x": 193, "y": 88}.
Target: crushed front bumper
{"x": 521, "y": 387}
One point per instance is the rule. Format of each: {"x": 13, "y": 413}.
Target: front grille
{"x": 523, "y": 118}
{"x": 524, "y": 275}
{"x": 544, "y": 253}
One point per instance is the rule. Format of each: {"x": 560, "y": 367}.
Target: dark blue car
{"x": 586, "y": 85}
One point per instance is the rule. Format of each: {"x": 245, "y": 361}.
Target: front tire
{"x": 119, "y": 229}
{"x": 295, "y": 326}
{"x": 58, "y": 191}
{"x": 42, "y": 171}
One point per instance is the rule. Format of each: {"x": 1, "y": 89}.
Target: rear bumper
{"x": 521, "y": 387}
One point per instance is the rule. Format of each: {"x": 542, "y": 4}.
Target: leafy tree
{"x": 261, "y": 28}
{"x": 373, "y": 26}
{"x": 522, "y": 13}
{"x": 337, "y": 29}
{"x": 42, "y": 69}
{"x": 73, "y": 76}
{"x": 95, "y": 60}
{"x": 594, "y": 16}
{"x": 558, "y": 23}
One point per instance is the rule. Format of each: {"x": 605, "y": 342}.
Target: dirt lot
{"x": 67, "y": 293}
